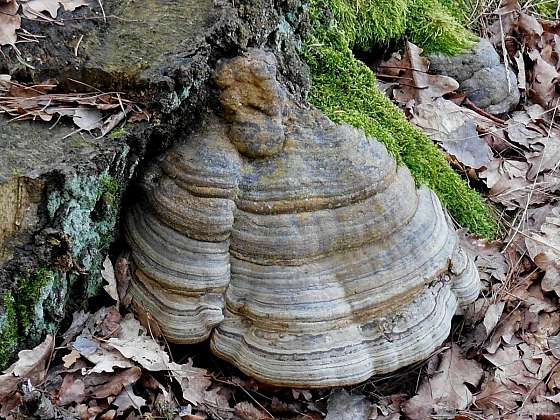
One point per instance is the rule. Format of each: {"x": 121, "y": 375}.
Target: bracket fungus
{"x": 297, "y": 245}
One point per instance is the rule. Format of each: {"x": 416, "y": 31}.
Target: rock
{"x": 296, "y": 244}
{"x": 482, "y": 76}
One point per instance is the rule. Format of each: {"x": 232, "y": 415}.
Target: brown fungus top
{"x": 296, "y": 244}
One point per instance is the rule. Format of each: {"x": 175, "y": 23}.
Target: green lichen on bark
{"x": 90, "y": 207}
{"x": 344, "y": 88}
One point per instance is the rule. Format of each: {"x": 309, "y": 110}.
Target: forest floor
{"x": 502, "y": 359}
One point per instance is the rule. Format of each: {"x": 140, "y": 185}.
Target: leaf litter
{"x": 96, "y": 112}
{"x": 502, "y": 360}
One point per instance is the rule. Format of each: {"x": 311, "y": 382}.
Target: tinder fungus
{"x": 297, "y": 245}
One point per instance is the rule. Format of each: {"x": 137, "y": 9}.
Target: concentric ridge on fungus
{"x": 297, "y": 244}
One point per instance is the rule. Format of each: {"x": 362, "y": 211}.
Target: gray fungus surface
{"x": 298, "y": 246}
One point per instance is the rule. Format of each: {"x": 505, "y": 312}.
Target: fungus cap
{"x": 311, "y": 264}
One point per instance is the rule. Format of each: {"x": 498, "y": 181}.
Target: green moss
{"x": 29, "y": 292}
{"x": 118, "y": 133}
{"x": 344, "y": 89}
{"x": 547, "y": 8}
{"x": 108, "y": 188}
{"x": 434, "y": 29}
{"x": 8, "y": 330}
{"x": 32, "y": 309}
{"x": 463, "y": 11}
{"x": 368, "y": 22}
{"x": 427, "y": 23}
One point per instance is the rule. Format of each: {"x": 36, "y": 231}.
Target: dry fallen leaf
{"x": 128, "y": 399}
{"x": 244, "y": 410}
{"x": 79, "y": 320}
{"x": 32, "y": 9}
{"x": 509, "y": 185}
{"x": 71, "y": 5}
{"x": 134, "y": 344}
{"x": 9, "y": 23}
{"x": 554, "y": 346}
{"x": 103, "y": 357}
{"x": 70, "y": 358}
{"x": 87, "y": 118}
{"x": 446, "y": 391}
{"x": 103, "y": 385}
{"x": 418, "y": 84}
{"x": 345, "y": 406}
{"x": 489, "y": 260}
{"x": 510, "y": 369}
{"x": 496, "y": 395}
{"x": 544, "y": 249}
{"x": 504, "y": 332}
{"x": 108, "y": 275}
{"x": 89, "y": 111}
{"x": 123, "y": 277}
{"x": 547, "y": 159}
{"x": 493, "y": 314}
{"x": 545, "y": 81}
{"x": 454, "y": 128}
{"x": 72, "y": 390}
{"x": 194, "y": 381}
{"x": 31, "y": 365}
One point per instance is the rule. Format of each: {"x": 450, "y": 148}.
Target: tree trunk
{"x": 60, "y": 194}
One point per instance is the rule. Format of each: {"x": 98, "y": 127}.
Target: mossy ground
{"x": 344, "y": 88}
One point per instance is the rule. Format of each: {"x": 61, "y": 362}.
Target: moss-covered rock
{"x": 345, "y": 90}
{"x": 427, "y": 23}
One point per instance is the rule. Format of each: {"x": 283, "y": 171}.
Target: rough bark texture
{"x": 60, "y": 197}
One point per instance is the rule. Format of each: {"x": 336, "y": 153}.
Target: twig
{"x": 78, "y": 45}
{"x": 100, "y": 17}
{"x": 384, "y": 66}
{"x": 505, "y": 53}
{"x": 85, "y": 84}
{"x": 102, "y": 10}
{"x": 388, "y": 76}
{"x": 469, "y": 104}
